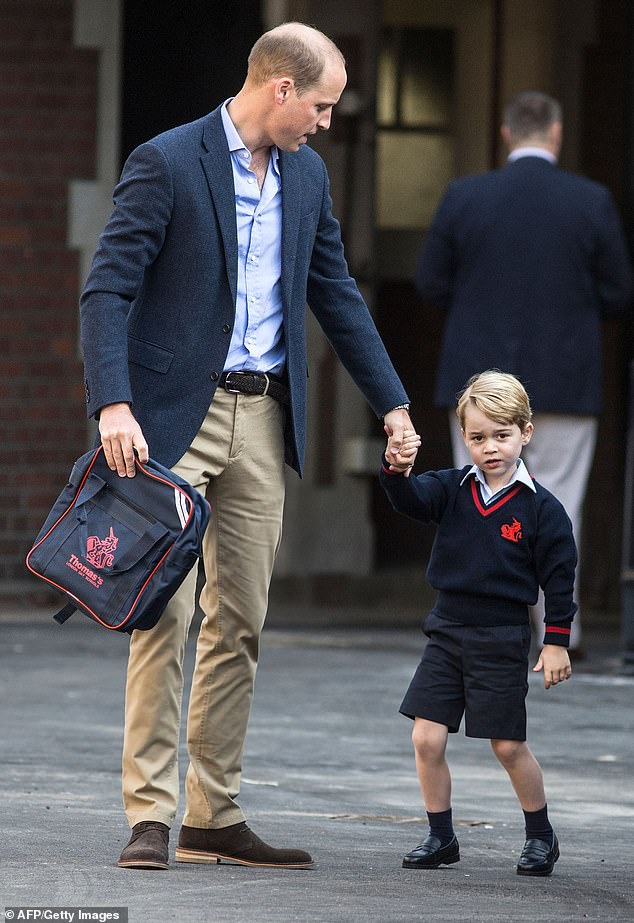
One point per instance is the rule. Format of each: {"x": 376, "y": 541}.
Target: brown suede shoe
{"x": 236, "y": 844}
{"x": 147, "y": 848}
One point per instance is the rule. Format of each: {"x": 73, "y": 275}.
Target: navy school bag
{"x": 119, "y": 548}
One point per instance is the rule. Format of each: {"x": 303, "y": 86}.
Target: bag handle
{"x": 94, "y": 485}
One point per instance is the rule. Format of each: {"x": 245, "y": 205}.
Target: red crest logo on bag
{"x": 512, "y": 532}
{"x": 100, "y": 551}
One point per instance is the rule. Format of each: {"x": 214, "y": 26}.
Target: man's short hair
{"x": 530, "y": 114}
{"x": 498, "y": 395}
{"x": 294, "y": 50}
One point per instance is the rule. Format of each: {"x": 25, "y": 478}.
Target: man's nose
{"x": 324, "y": 120}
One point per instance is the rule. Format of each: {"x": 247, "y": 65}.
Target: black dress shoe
{"x": 237, "y": 844}
{"x": 538, "y": 857}
{"x": 147, "y": 847}
{"x": 431, "y": 854}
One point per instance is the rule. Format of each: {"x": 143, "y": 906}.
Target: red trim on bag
{"x": 65, "y": 513}
{"x": 141, "y": 591}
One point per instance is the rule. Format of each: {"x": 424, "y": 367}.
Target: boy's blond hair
{"x": 499, "y": 395}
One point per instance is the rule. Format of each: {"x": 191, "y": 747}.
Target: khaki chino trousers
{"x": 237, "y": 462}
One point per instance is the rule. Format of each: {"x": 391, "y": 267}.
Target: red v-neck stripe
{"x": 487, "y": 510}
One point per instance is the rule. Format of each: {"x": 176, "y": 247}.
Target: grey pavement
{"x": 328, "y": 768}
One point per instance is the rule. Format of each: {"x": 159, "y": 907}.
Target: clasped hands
{"x": 403, "y": 441}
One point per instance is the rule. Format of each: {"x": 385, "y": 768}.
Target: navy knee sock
{"x": 538, "y": 826}
{"x": 440, "y": 825}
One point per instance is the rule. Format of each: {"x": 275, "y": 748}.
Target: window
{"x": 415, "y": 144}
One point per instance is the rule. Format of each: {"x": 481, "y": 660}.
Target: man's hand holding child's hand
{"x": 404, "y": 460}
{"x": 555, "y": 663}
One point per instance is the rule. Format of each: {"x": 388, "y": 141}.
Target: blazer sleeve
{"x": 435, "y": 273}
{"x": 344, "y": 317}
{"x": 613, "y": 273}
{"x": 129, "y": 244}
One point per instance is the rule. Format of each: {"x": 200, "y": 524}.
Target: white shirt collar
{"x": 529, "y": 151}
{"x": 521, "y": 475}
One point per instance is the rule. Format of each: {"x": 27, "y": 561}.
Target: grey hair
{"x": 530, "y": 114}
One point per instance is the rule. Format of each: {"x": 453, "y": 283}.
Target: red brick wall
{"x": 47, "y": 137}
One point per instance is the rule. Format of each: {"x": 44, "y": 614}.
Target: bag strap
{"x": 153, "y": 535}
{"x": 64, "y": 614}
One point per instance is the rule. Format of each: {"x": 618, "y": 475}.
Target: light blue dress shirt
{"x": 257, "y": 341}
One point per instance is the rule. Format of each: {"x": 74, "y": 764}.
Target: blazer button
{"x": 226, "y": 328}
{"x": 214, "y": 376}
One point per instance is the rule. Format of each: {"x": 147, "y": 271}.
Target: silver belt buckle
{"x": 228, "y": 384}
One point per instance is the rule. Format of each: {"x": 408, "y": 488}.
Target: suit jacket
{"x": 158, "y": 306}
{"x": 526, "y": 260}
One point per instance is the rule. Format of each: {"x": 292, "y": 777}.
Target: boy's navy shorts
{"x": 481, "y": 672}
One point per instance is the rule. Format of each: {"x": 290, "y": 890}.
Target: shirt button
{"x": 226, "y": 328}
{"x": 214, "y": 376}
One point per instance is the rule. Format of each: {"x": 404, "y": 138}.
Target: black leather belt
{"x": 255, "y": 383}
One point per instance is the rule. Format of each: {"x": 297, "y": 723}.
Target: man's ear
{"x": 555, "y": 137}
{"x": 283, "y": 89}
{"x": 505, "y": 131}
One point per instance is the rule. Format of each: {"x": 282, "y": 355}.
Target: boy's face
{"x": 494, "y": 447}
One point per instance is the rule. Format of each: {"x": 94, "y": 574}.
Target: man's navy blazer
{"x": 158, "y": 306}
{"x": 526, "y": 260}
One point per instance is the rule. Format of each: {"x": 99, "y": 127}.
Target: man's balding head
{"x": 293, "y": 50}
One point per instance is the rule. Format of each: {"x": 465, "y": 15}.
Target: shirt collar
{"x": 236, "y": 143}
{"x": 521, "y": 475}
{"x": 529, "y": 151}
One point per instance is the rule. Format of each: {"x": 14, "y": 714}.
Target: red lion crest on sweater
{"x": 512, "y": 532}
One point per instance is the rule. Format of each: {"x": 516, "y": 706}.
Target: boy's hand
{"x": 406, "y": 455}
{"x": 555, "y": 662}
{"x": 395, "y": 423}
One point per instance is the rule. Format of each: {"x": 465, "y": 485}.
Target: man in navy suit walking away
{"x": 194, "y": 339}
{"x": 527, "y": 260}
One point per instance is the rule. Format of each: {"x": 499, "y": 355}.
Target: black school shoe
{"x": 431, "y": 854}
{"x": 538, "y": 857}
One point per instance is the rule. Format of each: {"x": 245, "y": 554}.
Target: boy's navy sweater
{"x": 488, "y": 562}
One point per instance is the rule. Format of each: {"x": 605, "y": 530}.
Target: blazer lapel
{"x": 217, "y": 166}
{"x": 291, "y": 189}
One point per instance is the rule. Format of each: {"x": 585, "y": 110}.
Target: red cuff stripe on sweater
{"x": 558, "y": 631}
